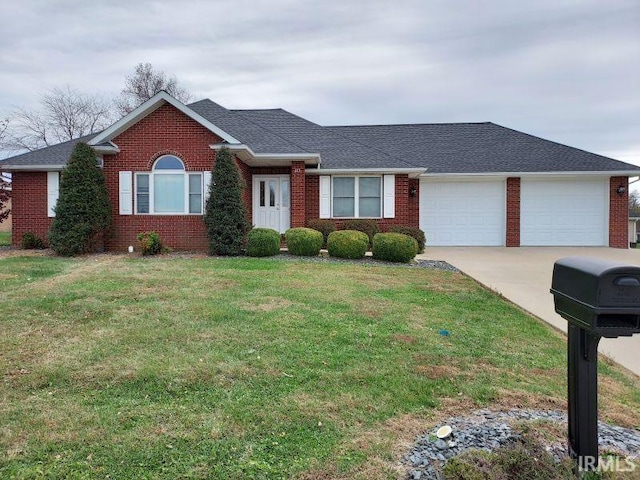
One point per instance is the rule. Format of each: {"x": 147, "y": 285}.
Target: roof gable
{"x": 149, "y": 107}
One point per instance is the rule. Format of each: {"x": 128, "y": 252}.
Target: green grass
{"x": 254, "y": 368}
{"x": 5, "y": 239}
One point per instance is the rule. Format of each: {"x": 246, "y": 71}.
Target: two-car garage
{"x": 553, "y": 211}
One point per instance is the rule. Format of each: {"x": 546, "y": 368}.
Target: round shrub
{"x": 394, "y": 247}
{"x": 412, "y": 232}
{"x": 370, "y": 227}
{"x": 347, "y": 244}
{"x": 324, "y": 226}
{"x": 31, "y": 241}
{"x": 263, "y": 242}
{"x": 150, "y": 243}
{"x": 305, "y": 242}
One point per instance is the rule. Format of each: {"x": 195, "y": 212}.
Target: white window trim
{"x": 185, "y": 178}
{"x": 356, "y": 199}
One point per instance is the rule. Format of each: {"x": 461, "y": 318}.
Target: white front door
{"x": 272, "y": 202}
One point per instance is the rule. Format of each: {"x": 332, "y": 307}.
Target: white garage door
{"x": 462, "y": 213}
{"x": 564, "y": 212}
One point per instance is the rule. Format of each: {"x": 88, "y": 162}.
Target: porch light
{"x": 413, "y": 191}
{"x": 621, "y": 190}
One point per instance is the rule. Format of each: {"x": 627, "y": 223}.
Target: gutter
{"x": 599, "y": 173}
{"x": 412, "y": 172}
{"x": 279, "y": 158}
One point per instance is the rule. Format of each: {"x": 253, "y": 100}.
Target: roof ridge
{"x": 408, "y": 124}
{"x": 271, "y": 131}
{"x": 369, "y": 147}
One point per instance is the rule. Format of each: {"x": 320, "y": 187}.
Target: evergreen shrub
{"x": 412, "y": 232}
{"x": 263, "y": 242}
{"x": 83, "y": 210}
{"x": 370, "y": 227}
{"x": 30, "y": 241}
{"x": 394, "y": 247}
{"x": 302, "y": 241}
{"x": 348, "y": 244}
{"x": 225, "y": 213}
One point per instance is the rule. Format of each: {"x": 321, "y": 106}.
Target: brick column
{"x": 298, "y": 205}
{"x": 618, "y": 213}
{"x": 414, "y": 203}
{"x": 513, "y": 212}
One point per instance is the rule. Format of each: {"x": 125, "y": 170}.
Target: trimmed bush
{"x": 225, "y": 214}
{"x": 150, "y": 243}
{"x": 302, "y": 241}
{"x": 412, "y": 232}
{"x": 347, "y": 244}
{"x": 394, "y": 247}
{"x": 370, "y": 227}
{"x": 324, "y": 226}
{"x": 30, "y": 241}
{"x": 263, "y": 242}
{"x": 83, "y": 211}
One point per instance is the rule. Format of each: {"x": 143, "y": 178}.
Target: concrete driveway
{"x": 523, "y": 275}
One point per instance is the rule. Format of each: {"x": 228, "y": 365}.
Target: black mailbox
{"x": 599, "y": 299}
{"x": 600, "y": 296}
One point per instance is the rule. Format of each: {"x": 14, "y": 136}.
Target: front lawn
{"x": 5, "y": 239}
{"x": 118, "y": 367}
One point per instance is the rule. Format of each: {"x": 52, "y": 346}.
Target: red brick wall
{"x": 29, "y": 210}
{"x": 407, "y": 212}
{"x": 247, "y": 191}
{"x": 165, "y": 131}
{"x": 513, "y": 212}
{"x": 298, "y": 197}
{"x": 312, "y": 197}
{"x": 414, "y": 203}
{"x": 618, "y": 213}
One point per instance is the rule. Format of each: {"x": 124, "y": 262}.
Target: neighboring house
{"x": 463, "y": 184}
{"x": 633, "y": 228}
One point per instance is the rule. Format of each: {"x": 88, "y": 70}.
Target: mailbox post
{"x": 599, "y": 299}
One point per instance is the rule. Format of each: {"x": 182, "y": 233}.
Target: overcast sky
{"x": 565, "y": 70}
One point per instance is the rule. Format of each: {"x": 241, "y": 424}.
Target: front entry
{"x": 272, "y": 202}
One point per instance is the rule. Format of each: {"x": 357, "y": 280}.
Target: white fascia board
{"x": 267, "y": 159}
{"x": 31, "y": 168}
{"x": 149, "y": 107}
{"x": 107, "y": 149}
{"x": 412, "y": 172}
{"x": 616, "y": 173}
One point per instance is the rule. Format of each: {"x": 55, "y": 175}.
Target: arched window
{"x": 169, "y": 189}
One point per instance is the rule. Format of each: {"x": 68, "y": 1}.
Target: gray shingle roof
{"x": 252, "y": 134}
{"x": 478, "y": 148}
{"x": 55, "y": 155}
{"x": 336, "y": 150}
{"x": 439, "y": 148}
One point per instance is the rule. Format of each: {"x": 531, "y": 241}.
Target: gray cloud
{"x": 565, "y": 70}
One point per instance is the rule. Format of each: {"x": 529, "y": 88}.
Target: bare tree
{"x": 144, "y": 84}
{"x": 64, "y": 114}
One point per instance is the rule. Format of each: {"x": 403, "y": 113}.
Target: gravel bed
{"x": 284, "y": 255}
{"x": 368, "y": 260}
{"x": 488, "y": 430}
